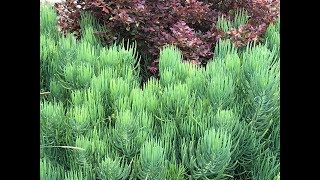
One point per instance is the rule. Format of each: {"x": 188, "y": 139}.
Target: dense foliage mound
{"x": 194, "y": 26}
{"x": 218, "y": 122}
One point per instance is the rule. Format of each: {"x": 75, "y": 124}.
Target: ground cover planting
{"x": 103, "y": 119}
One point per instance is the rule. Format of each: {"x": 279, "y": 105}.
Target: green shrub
{"x": 152, "y": 161}
{"x": 113, "y": 169}
{"x": 49, "y": 171}
{"x": 49, "y": 22}
{"x": 209, "y": 157}
{"x": 273, "y": 36}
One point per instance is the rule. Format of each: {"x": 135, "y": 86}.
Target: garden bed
{"x": 97, "y": 121}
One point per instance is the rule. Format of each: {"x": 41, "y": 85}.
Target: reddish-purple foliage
{"x": 191, "y": 44}
{"x": 188, "y": 24}
{"x": 262, "y": 11}
{"x": 242, "y": 35}
{"x": 69, "y": 16}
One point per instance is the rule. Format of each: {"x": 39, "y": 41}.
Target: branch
{"x": 67, "y": 147}
{"x": 44, "y": 93}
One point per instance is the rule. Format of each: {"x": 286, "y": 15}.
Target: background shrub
{"x": 194, "y": 26}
